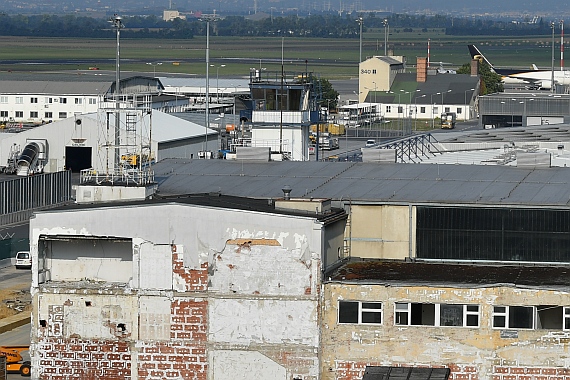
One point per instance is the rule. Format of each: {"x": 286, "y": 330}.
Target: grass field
{"x": 331, "y": 58}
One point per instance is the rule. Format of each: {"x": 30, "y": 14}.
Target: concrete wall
{"x": 205, "y": 285}
{"x": 382, "y": 231}
{"x": 471, "y": 353}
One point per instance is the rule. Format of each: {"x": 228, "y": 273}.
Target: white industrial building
{"x": 196, "y": 287}
{"x": 79, "y": 142}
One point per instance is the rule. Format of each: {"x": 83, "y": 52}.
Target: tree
{"x": 329, "y": 96}
{"x": 490, "y": 81}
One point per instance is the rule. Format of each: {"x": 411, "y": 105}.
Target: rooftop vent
{"x": 286, "y": 192}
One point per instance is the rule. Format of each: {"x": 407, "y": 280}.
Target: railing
{"x": 121, "y": 176}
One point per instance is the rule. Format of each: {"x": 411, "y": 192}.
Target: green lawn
{"x": 331, "y": 58}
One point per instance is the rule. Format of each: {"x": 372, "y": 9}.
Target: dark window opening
{"x": 493, "y": 234}
{"x": 43, "y": 323}
{"x": 347, "y": 312}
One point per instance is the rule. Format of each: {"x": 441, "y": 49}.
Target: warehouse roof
{"x": 369, "y": 182}
{"x": 390, "y": 273}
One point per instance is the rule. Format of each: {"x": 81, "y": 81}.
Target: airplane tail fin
{"x": 476, "y": 54}
{"x": 534, "y": 67}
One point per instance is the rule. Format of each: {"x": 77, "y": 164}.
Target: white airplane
{"x": 534, "y": 79}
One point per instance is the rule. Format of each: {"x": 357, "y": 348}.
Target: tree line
{"x": 320, "y": 25}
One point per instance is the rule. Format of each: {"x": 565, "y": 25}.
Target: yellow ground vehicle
{"x": 448, "y": 120}
{"x": 333, "y": 129}
{"x": 14, "y": 360}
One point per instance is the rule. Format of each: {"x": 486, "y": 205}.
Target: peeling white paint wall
{"x": 244, "y": 365}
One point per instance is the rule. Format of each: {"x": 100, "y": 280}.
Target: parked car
{"x": 23, "y": 260}
{"x": 370, "y": 143}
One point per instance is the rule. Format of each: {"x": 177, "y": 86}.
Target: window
{"x": 3, "y": 99}
{"x": 62, "y": 115}
{"x": 459, "y": 110}
{"x": 434, "y": 110}
{"x": 49, "y": 100}
{"x": 63, "y": 100}
{"x": 359, "y": 312}
{"x": 33, "y": 100}
{"x": 447, "y": 109}
{"x": 421, "y": 314}
{"x": 542, "y": 317}
{"x": 422, "y": 110}
{"x": 388, "y": 109}
{"x": 19, "y": 100}
{"x": 78, "y": 101}
{"x": 92, "y": 101}
{"x": 400, "y": 109}
{"x": 48, "y": 115}
{"x": 513, "y": 317}
{"x": 33, "y": 114}
{"x": 19, "y": 113}
{"x": 3, "y": 113}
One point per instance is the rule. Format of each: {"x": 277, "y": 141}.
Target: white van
{"x": 23, "y": 260}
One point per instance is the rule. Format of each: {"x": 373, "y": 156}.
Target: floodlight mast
{"x": 208, "y": 18}
{"x": 117, "y": 24}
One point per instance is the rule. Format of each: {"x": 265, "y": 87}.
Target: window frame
{"x": 402, "y": 309}
{"x": 506, "y": 314}
{"x": 361, "y": 310}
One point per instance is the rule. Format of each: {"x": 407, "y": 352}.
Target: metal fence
{"x": 21, "y": 196}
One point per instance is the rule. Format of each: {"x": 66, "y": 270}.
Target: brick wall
{"x": 83, "y": 359}
{"x": 184, "y": 356}
{"x": 190, "y": 280}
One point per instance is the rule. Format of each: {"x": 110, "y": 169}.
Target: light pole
{"x": 218, "y": 81}
{"x": 443, "y": 93}
{"x": 385, "y": 22}
{"x": 468, "y": 110}
{"x": 360, "y": 21}
{"x": 207, "y": 18}
{"x": 432, "y": 109}
{"x": 374, "y": 91}
{"x": 154, "y": 64}
{"x": 512, "y": 113}
{"x": 552, "y": 25}
{"x": 416, "y": 109}
{"x": 118, "y": 25}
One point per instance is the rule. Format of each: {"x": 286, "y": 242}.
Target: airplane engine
{"x": 545, "y": 84}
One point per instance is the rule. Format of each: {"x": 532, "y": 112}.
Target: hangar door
{"x": 77, "y": 158}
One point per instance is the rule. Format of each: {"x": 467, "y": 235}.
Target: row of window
{"x": 20, "y": 100}
{"x": 456, "y": 315}
{"x": 33, "y": 115}
{"x": 423, "y": 110}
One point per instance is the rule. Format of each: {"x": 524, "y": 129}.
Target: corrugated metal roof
{"x": 363, "y": 182}
{"x": 167, "y": 127}
{"x": 386, "y": 272}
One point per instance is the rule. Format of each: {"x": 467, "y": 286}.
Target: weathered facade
{"x": 180, "y": 291}
{"x": 481, "y": 322}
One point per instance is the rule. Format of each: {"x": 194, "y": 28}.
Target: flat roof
{"x": 407, "y": 273}
{"x": 370, "y": 182}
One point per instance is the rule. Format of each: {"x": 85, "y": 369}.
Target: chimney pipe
{"x": 286, "y": 192}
